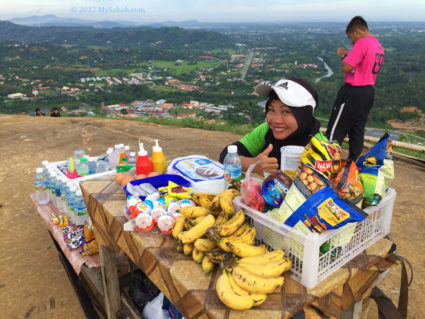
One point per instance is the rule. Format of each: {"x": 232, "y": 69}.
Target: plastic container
{"x": 232, "y": 165}
{"x": 132, "y": 159}
{"x": 80, "y": 211}
{"x": 40, "y": 183}
{"x": 159, "y": 181}
{"x": 91, "y": 163}
{"x": 203, "y": 174}
{"x": 290, "y": 158}
{"x": 83, "y": 168}
{"x": 159, "y": 163}
{"x": 310, "y": 266}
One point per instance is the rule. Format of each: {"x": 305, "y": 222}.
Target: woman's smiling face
{"x": 281, "y": 120}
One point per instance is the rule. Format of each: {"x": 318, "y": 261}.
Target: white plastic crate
{"x": 55, "y": 166}
{"x": 309, "y": 265}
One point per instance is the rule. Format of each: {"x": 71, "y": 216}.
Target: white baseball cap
{"x": 292, "y": 92}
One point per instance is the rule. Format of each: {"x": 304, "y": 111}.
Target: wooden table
{"x": 193, "y": 292}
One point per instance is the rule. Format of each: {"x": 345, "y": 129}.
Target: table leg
{"x": 111, "y": 289}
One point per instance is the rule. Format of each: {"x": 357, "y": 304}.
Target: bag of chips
{"x": 322, "y": 155}
{"x": 376, "y": 171}
{"x": 348, "y": 183}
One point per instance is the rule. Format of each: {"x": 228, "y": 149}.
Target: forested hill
{"x": 167, "y": 38}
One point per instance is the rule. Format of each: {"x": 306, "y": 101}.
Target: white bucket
{"x": 290, "y": 158}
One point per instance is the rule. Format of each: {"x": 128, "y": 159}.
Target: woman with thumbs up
{"x": 289, "y": 121}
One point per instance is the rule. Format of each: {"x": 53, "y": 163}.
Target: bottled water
{"x": 232, "y": 165}
{"x": 83, "y": 168}
{"x": 69, "y": 184}
{"x": 132, "y": 159}
{"x": 41, "y": 195}
{"x": 58, "y": 200}
{"x": 92, "y": 165}
{"x": 47, "y": 176}
{"x": 64, "y": 207}
{"x": 52, "y": 182}
{"x": 102, "y": 166}
{"x": 115, "y": 157}
{"x": 80, "y": 210}
{"x": 71, "y": 202}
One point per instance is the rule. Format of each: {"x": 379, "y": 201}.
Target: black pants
{"x": 349, "y": 115}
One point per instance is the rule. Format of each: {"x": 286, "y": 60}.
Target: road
{"x": 246, "y": 66}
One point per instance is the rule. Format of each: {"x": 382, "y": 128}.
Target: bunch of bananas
{"x": 213, "y": 233}
{"x": 252, "y": 279}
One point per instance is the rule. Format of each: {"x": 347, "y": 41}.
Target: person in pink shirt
{"x": 355, "y": 98}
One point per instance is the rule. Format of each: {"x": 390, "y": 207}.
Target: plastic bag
{"x": 251, "y": 191}
{"x": 153, "y": 309}
{"x": 376, "y": 171}
{"x": 348, "y": 183}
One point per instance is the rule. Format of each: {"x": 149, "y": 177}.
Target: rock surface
{"x": 33, "y": 282}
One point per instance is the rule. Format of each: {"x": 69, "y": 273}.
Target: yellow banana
{"x": 207, "y": 265}
{"x": 269, "y": 270}
{"x": 221, "y": 219}
{"x": 254, "y": 283}
{"x": 248, "y": 237}
{"x": 215, "y": 204}
{"x": 197, "y": 220}
{"x": 263, "y": 259}
{"x": 197, "y": 231}
{"x": 258, "y": 298}
{"x": 244, "y": 250}
{"x": 229, "y": 297}
{"x": 178, "y": 226}
{"x": 241, "y": 230}
{"x": 188, "y": 224}
{"x": 194, "y": 211}
{"x": 187, "y": 248}
{"x": 203, "y": 199}
{"x": 217, "y": 256}
{"x": 203, "y": 244}
{"x": 226, "y": 200}
{"x": 179, "y": 246}
{"x": 197, "y": 255}
{"x": 231, "y": 225}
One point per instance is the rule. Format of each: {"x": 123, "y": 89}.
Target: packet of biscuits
{"x": 348, "y": 183}
{"x": 322, "y": 155}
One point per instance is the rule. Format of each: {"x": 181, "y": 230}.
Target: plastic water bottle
{"x": 47, "y": 176}
{"x": 80, "y": 210}
{"x": 102, "y": 166}
{"x": 63, "y": 188}
{"x": 69, "y": 184}
{"x": 41, "y": 195}
{"x": 52, "y": 182}
{"x": 232, "y": 165}
{"x": 72, "y": 192}
{"x": 132, "y": 159}
{"x": 83, "y": 168}
{"x": 58, "y": 200}
{"x": 91, "y": 163}
{"x": 115, "y": 157}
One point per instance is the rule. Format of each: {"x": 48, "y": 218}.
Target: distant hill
{"x": 53, "y": 20}
{"x": 164, "y": 37}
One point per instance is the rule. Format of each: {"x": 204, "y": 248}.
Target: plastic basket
{"x": 310, "y": 266}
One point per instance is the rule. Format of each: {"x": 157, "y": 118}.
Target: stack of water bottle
{"x": 63, "y": 193}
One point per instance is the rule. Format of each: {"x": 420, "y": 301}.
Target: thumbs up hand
{"x": 267, "y": 164}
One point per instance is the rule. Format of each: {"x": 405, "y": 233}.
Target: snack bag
{"x": 322, "y": 155}
{"x": 90, "y": 248}
{"x": 376, "y": 171}
{"x": 313, "y": 205}
{"x": 348, "y": 183}
{"x": 88, "y": 232}
{"x": 251, "y": 191}
{"x": 275, "y": 187}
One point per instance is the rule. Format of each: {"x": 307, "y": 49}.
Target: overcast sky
{"x": 219, "y": 10}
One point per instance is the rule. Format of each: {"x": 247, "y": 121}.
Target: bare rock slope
{"x": 33, "y": 283}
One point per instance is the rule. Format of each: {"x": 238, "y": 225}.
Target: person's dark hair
{"x": 356, "y": 23}
{"x": 37, "y": 109}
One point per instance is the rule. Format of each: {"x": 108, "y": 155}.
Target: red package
{"x": 251, "y": 191}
